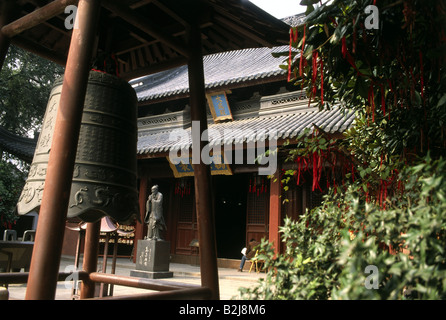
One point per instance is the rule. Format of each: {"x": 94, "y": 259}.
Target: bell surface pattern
{"x": 105, "y": 174}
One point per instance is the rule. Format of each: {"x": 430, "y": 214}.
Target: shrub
{"x": 329, "y": 248}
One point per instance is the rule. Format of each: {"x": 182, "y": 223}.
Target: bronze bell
{"x": 104, "y": 178}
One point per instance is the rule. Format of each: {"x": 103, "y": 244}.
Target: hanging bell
{"x": 104, "y": 177}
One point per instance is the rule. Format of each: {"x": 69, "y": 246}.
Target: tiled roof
{"x": 295, "y": 20}
{"x": 220, "y": 69}
{"x": 286, "y": 126}
{"x": 23, "y": 148}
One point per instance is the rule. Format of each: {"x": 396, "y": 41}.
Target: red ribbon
{"x": 371, "y": 99}
{"x": 302, "y": 51}
{"x": 293, "y": 38}
{"x": 322, "y": 81}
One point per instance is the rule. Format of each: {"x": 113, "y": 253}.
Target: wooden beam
{"x": 161, "y": 66}
{"x": 143, "y": 24}
{"x": 39, "y": 50}
{"x": 144, "y": 42}
{"x": 245, "y": 32}
{"x": 171, "y": 13}
{"x": 141, "y": 3}
{"x": 36, "y": 17}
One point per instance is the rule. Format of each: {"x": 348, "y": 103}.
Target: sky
{"x": 280, "y": 8}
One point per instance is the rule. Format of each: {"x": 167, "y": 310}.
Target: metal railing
{"x": 164, "y": 290}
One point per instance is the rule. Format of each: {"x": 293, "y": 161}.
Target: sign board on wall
{"x": 184, "y": 167}
{"x": 219, "y": 106}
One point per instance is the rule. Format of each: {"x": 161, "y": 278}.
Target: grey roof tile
{"x": 250, "y": 130}
{"x": 220, "y": 69}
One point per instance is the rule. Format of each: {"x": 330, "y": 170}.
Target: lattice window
{"x": 258, "y": 208}
{"x": 186, "y": 208}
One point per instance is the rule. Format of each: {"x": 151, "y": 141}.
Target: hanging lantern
{"x": 104, "y": 177}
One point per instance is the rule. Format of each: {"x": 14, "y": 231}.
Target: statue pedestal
{"x": 152, "y": 260}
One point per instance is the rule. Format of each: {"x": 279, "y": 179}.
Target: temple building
{"x": 251, "y": 109}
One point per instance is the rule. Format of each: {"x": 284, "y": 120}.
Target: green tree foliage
{"x": 11, "y": 184}
{"x": 386, "y": 203}
{"x": 329, "y": 248}
{"x": 25, "y": 85}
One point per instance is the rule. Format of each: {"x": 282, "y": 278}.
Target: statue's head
{"x": 155, "y": 189}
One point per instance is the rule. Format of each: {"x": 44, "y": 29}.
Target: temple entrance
{"x": 230, "y": 214}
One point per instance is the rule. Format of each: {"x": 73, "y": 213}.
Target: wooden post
{"x": 5, "y": 17}
{"x": 139, "y": 227}
{"x": 275, "y": 211}
{"x": 90, "y": 262}
{"x": 76, "y": 257}
{"x": 202, "y": 173}
{"x": 104, "y": 287}
{"x": 50, "y": 229}
{"x": 115, "y": 254}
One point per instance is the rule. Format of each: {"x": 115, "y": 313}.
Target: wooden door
{"x": 187, "y": 229}
{"x": 257, "y": 216}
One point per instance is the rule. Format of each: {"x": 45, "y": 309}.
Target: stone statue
{"x": 154, "y": 215}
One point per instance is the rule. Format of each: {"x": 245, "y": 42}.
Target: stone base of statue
{"x": 152, "y": 260}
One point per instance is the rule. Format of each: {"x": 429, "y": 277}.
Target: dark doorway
{"x": 230, "y": 214}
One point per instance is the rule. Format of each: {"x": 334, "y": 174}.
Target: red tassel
{"x": 371, "y": 99}
{"x": 353, "y": 173}
{"x": 344, "y": 47}
{"x": 322, "y": 81}
{"x": 367, "y": 198}
{"x": 314, "y": 171}
{"x": 383, "y": 100}
{"x": 314, "y": 74}
{"x": 314, "y": 61}
{"x": 317, "y": 170}
{"x": 293, "y": 38}
{"x": 302, "y": 52}
{"x": 299, "y": 167}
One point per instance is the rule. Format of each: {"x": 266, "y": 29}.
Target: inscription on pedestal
{"x": 152, "y": 259}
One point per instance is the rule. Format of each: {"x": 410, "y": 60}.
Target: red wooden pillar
{"x": 139, "y": 228}
{"x": 45, "y": 260}
{"x": 202, "y": 172}
{"x": 275, "y": 210}
{"x": 90, "y": 262}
